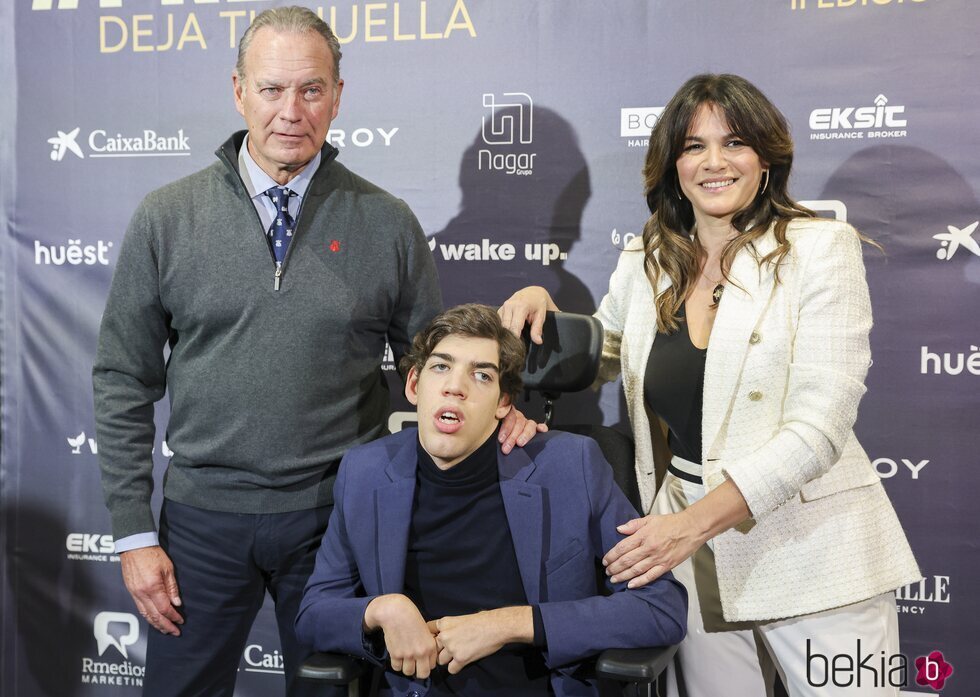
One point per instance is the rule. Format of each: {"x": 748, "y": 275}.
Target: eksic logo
{"x": 118, "y": 630}
{"x": 510, "y": 123}
{"x": 949, "y": 363}
{"x": 955, "y": 238}
{"x": 636, "y": 123}
{"x": 360, "y": 137}
{"x": 101, "y": 144}
{"x": 89, "y": 546}
{"x": 857, "y": 123}
{"x": 93, "y": 543}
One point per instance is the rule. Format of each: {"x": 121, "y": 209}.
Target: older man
{"x": 275, "y": 276}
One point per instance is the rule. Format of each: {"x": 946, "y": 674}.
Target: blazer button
{"x": 755, "y": 338}
{"x": 755, "y": 395}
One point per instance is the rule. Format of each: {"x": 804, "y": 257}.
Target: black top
{"x": 673, "y": 388}
{"x": 461, "y": 560}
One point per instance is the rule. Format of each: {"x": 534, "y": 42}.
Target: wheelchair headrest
{"x": 568, "y": 360}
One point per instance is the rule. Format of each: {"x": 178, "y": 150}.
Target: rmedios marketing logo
{"x": 118, "y": 631}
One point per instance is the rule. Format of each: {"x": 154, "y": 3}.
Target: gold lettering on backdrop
{"x": 186, "y": 35}
{"x": 139, "y": 32}
{"x": 398, "y": 33}
{"x": 464, "y": 23}
{"x": 830, "y": 4}
{"x": 371, "y": 21}
{"x": 423, "y": 11}
{"x": 143, "y": 33}
{"x": 104, "y": 22}
{"x": 333, "y": 24}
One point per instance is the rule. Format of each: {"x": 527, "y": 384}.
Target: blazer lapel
{"x": 739, "y": 311}
{"x": 525, "y": 513}
{"x": 393, "y": 514}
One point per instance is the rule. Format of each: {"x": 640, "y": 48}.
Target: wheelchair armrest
{"x": 634, "y": 665}
{"x": 333, "y": 668}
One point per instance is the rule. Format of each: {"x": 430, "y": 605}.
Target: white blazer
{"x": 784, "y": 375}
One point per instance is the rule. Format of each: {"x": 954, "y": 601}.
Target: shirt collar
{"x": 257, "y": 182}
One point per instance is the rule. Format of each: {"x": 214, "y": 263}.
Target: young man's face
{"x": 457, "y": 394}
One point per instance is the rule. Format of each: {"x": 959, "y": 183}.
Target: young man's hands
{"x": 415, "y": 647}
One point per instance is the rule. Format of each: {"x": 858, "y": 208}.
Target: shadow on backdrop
{"x": 530, "y": 196}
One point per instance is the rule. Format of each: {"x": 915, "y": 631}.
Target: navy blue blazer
{"x": 562, "y": 506}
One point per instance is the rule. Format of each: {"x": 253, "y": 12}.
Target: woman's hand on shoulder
{"x": 527, "y": 306}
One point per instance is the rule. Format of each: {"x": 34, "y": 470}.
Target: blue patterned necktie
{"x": 283, "y": 226}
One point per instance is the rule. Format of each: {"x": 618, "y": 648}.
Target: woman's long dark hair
{"x": 667, "y": 240}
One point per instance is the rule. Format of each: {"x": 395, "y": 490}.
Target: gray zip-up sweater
{"x": 268, "y": 385}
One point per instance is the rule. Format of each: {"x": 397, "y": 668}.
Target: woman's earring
{"x": 765, "y": 183}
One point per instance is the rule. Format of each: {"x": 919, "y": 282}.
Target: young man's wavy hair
{"x": 667, "y": 240}
{"x": 477, "y": 322}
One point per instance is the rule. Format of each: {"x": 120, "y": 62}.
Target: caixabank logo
{"x": 72, "y": 144}
{"x": 956, "y": 238}
{"x": 258, "y": 659}
{"x": 115, "y": 633}
{"x": 879, "y": 120}
{"x": 508, "y": 132}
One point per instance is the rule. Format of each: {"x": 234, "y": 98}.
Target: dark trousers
{"x": 225, "y": 563}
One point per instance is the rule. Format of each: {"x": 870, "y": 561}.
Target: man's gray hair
{"x": 292, "y": 19}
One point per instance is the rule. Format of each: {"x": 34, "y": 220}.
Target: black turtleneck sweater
{"x": 461, "y": 560}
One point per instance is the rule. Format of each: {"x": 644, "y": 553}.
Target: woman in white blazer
{"x": 741, "y": 320}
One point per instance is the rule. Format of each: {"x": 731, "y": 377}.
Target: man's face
{"x": 288, "y": 98}
{"x": 457, "y": 394}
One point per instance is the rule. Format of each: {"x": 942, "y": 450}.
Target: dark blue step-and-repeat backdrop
{"x": 516, "y": 130}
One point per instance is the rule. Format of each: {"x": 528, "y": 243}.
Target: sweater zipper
{"x": 278, "y": 276}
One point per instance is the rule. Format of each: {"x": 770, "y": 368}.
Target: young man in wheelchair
{"x": 467, "y": 571}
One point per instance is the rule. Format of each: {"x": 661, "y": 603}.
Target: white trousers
{"x": 724, "y": 658}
